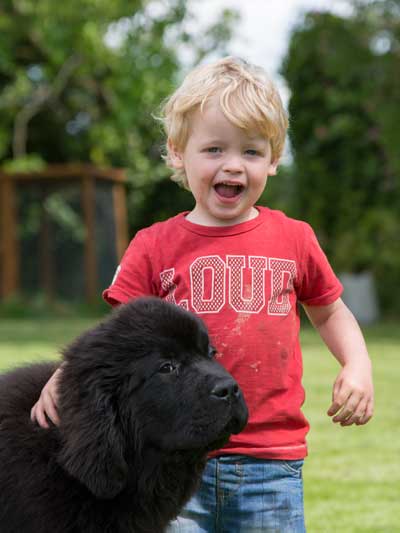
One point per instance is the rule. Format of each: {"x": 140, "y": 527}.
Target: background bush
{"x": 83, "y": 82}
{"x": 345, "y": 133}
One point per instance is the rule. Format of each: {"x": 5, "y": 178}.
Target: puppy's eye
{"x": 212, "y": 352}
{"x": 167, "y": 368}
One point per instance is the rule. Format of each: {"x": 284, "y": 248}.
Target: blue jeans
{"x": 240, "y": 494}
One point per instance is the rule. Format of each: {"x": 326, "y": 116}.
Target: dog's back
{"x": 20, "y": 388}
{"x": 26, "y": 451}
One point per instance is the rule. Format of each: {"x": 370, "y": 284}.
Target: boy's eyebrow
{"x": 221, "y": 140}
{"x": 259, "y": 140}
{"x": 212, "y": 142}
{"x": 256, "y": 137}
{"x": 215, "y": 140}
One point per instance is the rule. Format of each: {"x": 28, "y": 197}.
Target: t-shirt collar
{"x": 224, "y": 231}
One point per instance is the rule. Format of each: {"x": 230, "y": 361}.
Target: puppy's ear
{"x": 92, "y": 448}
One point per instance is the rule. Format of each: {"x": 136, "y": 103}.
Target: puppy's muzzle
{"x": 227, "y": 390}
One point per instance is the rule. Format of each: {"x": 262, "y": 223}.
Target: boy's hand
{"x": 353, "y": 396}
{"x": 353, "y": 391}
{"x": 47, "y": 403}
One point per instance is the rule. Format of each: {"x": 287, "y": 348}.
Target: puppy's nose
{"x": 225, "y": 389}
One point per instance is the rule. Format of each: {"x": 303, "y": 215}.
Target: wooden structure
{"x": 86, "y": 177}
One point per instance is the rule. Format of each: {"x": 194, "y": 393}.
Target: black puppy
{"x": 141, "y": 401}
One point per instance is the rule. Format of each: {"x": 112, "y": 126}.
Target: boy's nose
{"x": 233, "y": 164}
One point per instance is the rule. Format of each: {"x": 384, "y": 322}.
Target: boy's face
{"x": 226, "y": 168}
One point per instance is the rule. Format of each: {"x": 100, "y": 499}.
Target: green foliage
{"x": 25, "y": 163}
{"x": 81, "y": 81}
{"x": 278, "y": 193}
{"x": 345, "y": 111}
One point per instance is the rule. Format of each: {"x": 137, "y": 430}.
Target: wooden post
{"x": 88, "y": 208}
{"x": 9, "y": 256}
{"x": 86, "y": 176}
{"x": 46, "y": 261}
{"x": 121, "y": 219}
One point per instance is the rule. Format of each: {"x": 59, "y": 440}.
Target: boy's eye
{"x": 213, "y": 149}
{"x": 252, "y": 152}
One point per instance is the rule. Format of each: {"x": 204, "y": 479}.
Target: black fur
{"x": 141, "y": 401}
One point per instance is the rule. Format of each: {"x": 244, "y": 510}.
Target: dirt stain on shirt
{"x": 240, "y": 321}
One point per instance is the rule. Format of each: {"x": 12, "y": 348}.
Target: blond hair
{"x": 247, "y": 97}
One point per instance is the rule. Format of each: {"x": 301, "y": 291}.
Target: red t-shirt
{"x": 244, "y": 281}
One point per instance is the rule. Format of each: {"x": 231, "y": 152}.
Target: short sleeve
{"x": 318, "y": 284}
{"x": 133, "y": 277}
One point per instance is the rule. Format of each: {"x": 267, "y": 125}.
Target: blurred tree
{"x": 345, "y": 109}
{"x": 81, "y": 81}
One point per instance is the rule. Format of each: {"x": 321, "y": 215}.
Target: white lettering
{"x": 208, "y": 299}
{"x": 238, "y": 290}
{"x": 168, "y": 285}
{"x": 245, "y": 287}
{"x": 283, "y": 272}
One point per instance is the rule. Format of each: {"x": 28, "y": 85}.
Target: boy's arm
{"x": 353, "y": 392}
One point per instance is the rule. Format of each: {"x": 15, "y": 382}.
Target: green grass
{"x": 352, "y": 475}
{"x": 27, "y": 340}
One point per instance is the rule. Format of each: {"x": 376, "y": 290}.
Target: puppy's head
{"x": 145, "y": 376}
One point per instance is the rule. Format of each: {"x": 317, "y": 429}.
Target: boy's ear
{"x": 273, "y": 168}
{"x": 175, "y": 156}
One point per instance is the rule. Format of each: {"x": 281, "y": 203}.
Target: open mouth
{"x": 226, "y": 190}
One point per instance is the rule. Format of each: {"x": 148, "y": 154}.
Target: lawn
{"x": 352, "y": 475}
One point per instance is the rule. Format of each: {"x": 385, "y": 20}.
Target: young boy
{"x": 243, "y": 269}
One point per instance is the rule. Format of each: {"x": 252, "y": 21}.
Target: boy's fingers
{"x": 357, "y": 415}
{"x": 49, "y": 409}
{"x": 367, "y": 415}
{"x": 339, "y": 401}
{"x": 352, "y": 407}
{"x": 334, "y": 408}
{"x": 344, "y": 415}
{"x": 41, "y": 418}
{"x": 33, "y": 413}
{"x": 46, "y": 407}
{"x": 339, "y": 397}
{"x": 51, "y": 412}
{"x": 358, "y": 410}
